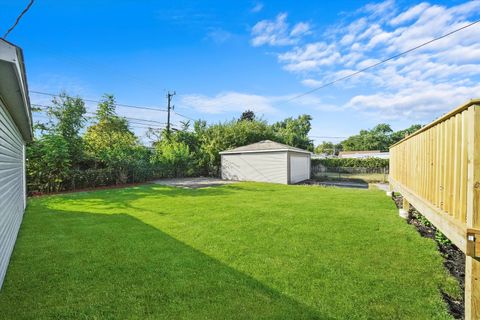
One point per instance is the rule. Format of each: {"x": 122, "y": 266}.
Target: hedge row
{"x": 91, "y": 178}
{"x": 350, "y": 162}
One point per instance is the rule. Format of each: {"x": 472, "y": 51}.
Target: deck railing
{"x": 437, "y": 170}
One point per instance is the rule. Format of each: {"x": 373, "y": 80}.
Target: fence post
{"x": 405, "y": 208}
{"x": 472, "y": 268}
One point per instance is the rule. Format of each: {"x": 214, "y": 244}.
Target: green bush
{"x": 173, "y": 158}
{"x": 48, "y": 163}
{"x": 353, "y": 163}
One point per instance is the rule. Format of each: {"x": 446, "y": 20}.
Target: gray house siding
{"x": 261, "y": 166}
{"x": 12, "y": 186}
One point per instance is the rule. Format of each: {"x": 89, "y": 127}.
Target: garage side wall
{"x": 12, "y": 186}
{"x": 262, "y": 167}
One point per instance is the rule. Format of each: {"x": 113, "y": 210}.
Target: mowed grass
{"x": 241, "y": 251}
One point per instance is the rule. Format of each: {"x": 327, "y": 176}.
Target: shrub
{"x": 353, "y": 163}
{"x": 173, "y": 158}
{"x": 48, "y": 164}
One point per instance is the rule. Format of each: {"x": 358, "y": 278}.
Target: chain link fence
{"x": 375, "y": 174}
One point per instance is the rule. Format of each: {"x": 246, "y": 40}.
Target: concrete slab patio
{"x": 335, "y": 183}
{"x": 193, "y": 183}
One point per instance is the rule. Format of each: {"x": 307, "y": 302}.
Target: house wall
{"x": 261, "y": 166}
{"x": 299, "y": 167}
{"x": 12, "y": 186}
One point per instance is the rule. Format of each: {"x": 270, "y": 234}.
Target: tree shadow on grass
{"x": 155, "y": 190}
{"x": 122, "y": 200}
{"x": 77, "y": 265}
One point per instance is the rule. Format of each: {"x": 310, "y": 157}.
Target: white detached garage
{"x": 266, "y": 161}
{"x": 15, "y": 131}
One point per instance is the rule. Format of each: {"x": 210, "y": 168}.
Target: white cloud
{"x": 434, "y": 78}
{"x": 312, "y": 101}
{"x": 236, "y": 102}
{"x": 257, "y": 7}
{"x": 226, "y": 102}
{"x": 219, "y": 35}
{"x": 278, "y": 32}
{"x": 311, "y": 83}
{"x": 410, "y": 14}
{"x": 421, "y": 103}
{"x": 300, "y": 29}
{"x": 309, "y": 57}
{"x": 385, "y": 8}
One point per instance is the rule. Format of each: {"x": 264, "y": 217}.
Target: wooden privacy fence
{"x": 437, "y": 170}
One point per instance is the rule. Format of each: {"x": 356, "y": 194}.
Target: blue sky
{"x": 223, "y": 57}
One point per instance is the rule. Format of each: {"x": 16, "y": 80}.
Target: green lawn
{"x": 241, "y": 251}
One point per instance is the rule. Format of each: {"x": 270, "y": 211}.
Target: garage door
{"x": 12, "y": 186}
{"x": 299, "y": 168}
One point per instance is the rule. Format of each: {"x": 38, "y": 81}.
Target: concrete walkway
{"x": 335, "y": 183}
{"x": 382, "y": 186}
{"x": 193, "y": 183}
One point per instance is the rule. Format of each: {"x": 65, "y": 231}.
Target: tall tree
{"x": 381, "y": 137}
{"x": 326, "y": 147}
{"x": 294, "y": 131}
{"x": 399, "y": 135}
{"x": 68, "y": 117}
{"x": 247, "y": 115}
{"x": 110, "y": 143}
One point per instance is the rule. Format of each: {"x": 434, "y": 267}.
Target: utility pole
{"x": 169, "y": 99}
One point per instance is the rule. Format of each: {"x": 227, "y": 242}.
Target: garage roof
{"x": 264, "y": 146}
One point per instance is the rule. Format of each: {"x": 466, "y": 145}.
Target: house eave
{"x": 14, "y": 87}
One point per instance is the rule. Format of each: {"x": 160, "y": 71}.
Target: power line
{"x": 140, "y": 127}
{"x": 137, "y": 123}
{"x": 322, "y": 137}
{"x": 98, "y": 101}
{"x": 116, "y": 104}
{"x": 383, "y": 61}
{"x": 143, "y": 120}
{"x": 18, "y": 19}
{"x": 159, "y": 124}
{"x": 146, "y": 121}
{"x": 181, "y": 115}
{"x": 152, "y": 127}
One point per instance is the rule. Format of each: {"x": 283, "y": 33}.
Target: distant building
{"x": 364, "y": 154}
{"x": 319, "y": 156}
